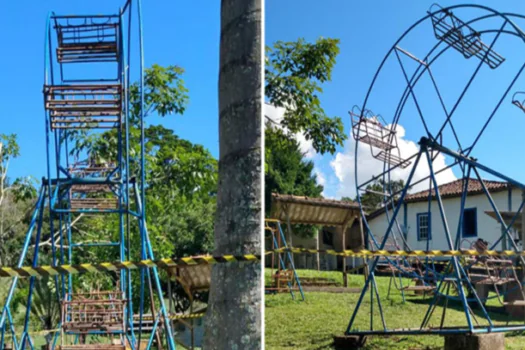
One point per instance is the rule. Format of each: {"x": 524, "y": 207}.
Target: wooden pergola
{"x": 316, "y": 211}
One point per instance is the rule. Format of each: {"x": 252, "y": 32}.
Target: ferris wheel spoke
{"x": 496, "y": 210}
{"x": 466, "y": 178}
{"x": 442, "y": 102}
{"x": 438, "y": 198}
{"x": 469, "y": 149}
{"x": 467, "y": 86}
{"x": 411, "y": 92}
{"x": 442, "y": 142}
{"x": 506, "y": 232}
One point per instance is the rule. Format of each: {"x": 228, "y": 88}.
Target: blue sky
{"x": 367, "y": 30}
{"x": 184, "y": 33}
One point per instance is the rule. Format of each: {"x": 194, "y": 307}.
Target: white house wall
{"x": 487, "y": 227}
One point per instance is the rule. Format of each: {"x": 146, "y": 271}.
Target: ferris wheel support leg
{"x": 476, "y": 296}
{"x": 385, "y": 238}
{"x": 39, "y": 207}
{"x": 156, "y": 279}
{"x": 457, "y": 269}
{"x": 457, "y": 244}
{"x": 440, "y": 202}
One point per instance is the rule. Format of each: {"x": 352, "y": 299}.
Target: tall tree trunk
{"x": 233, "y": 320}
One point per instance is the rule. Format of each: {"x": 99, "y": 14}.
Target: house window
{"x": 423, "y": 227}
{"x": 470, "y": 222}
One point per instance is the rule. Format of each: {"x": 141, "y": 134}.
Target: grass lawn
{"x": 311, "y": 324}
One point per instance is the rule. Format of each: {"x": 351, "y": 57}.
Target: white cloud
{"x": 321, "y": 178}
{"x": 276, "y": 114}
{"x": 344, "y": 166}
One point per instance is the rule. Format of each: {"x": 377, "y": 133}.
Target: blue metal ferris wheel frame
{"x": 57, "y": 147}
{"x": 432, "y": 143}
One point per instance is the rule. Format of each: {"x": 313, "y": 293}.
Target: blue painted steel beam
{"x": 385, "y": 238}
{"x": 38, "y": 207}
{"x": 434, "y": 145}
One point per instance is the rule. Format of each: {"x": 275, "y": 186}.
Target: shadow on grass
{"x": 497, "y": 314}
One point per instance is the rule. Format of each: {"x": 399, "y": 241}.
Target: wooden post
{"x": 290, "y": 232}
{"x": 345, "y": 279}
{"x": 523, "y": 224}
{"x": 317, "y": 247}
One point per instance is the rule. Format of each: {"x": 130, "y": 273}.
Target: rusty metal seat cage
{"x": 84, "y": 106}
{"x": 461, "y": 36}
{"x": 87, "y": 39}
{"x": 371, "y": 129}
{"x": 96, "y": 311}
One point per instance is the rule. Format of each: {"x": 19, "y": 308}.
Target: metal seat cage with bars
{"x": 459, "y": 280}
{"x": 371, "y": 129}
{"x": 73, "y": 188}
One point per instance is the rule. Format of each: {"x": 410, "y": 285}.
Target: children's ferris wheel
{"x": 463, "y": 56}
{"x": 89, "y": 62}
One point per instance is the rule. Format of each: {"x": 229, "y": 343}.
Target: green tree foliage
{"x": 294, "y": 74}
{"x": 45, "y": 308}
{"x": 16, "y": 199}
{"x": 287, "y": 172}
{"x": 181, "y": 177}
{"x": 374, "y": 200}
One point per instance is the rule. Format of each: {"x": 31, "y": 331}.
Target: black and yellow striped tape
{"x": 42, "y": 271}
{"x": 407, "y": 253}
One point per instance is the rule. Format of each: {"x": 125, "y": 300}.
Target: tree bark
{"x": 233, "y": 319}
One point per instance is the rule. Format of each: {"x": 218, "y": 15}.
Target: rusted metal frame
{"x": 88, "y": 52}
{"x": 453, "y": 36}
{"x": 91, "y": 59}
{"x": 76, "y": 29}
{"x": 92, "y": 89}
{"x": 83, "y": 16}
{"x": 85, "y": 102}
{"x": 102, "y": 35}
{"x": 84, "y": 44}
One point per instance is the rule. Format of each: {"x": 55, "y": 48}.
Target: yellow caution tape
{"x": 42, "y": 271}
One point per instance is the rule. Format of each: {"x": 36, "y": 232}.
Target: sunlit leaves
{"x": 294, "y": 74}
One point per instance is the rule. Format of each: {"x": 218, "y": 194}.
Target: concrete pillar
{"x": 489, "y": 341}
